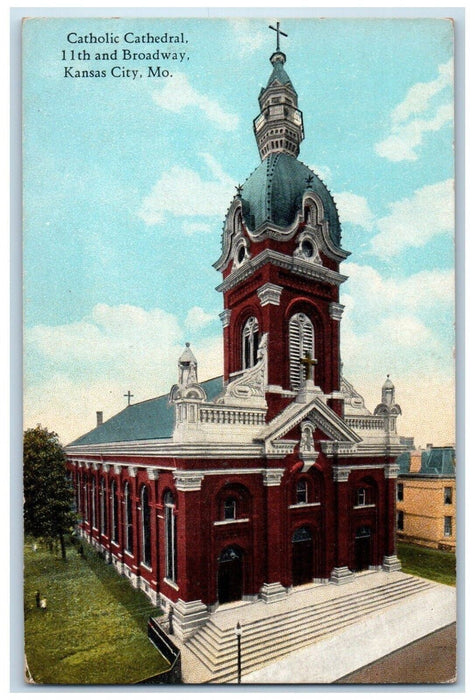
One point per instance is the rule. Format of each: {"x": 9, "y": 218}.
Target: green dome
{"x": 273, "y": 194}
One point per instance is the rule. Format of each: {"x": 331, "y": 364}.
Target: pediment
{"x": 315, "y": 413}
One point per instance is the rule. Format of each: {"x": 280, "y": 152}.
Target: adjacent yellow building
{"x": 426, "y": 498}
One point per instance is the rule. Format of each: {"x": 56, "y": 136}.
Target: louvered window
{"x": 250, "y": 342}
{"x": 301, "y": 341}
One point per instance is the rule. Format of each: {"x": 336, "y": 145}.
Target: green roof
{"x": 439, "y": 461}
{"x": 403, "y": 462}
{"x": 273, "y": 194}
{"x": 280, "y": 75}
{"x": 147, "y": 420}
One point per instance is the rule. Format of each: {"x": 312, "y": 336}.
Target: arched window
{"x": 361, "y": 496}
{"x": 85, "y": 498}
{"x": 301, "y": 342}
{"x": 230, "y": 509}
{"x": 114, "y": 513}
{"x": 250, "y": 342}
{"x": 93, "y": 501}
{"x": 145, "y": 525}
{"x": 302, "y": 491}
{"x": 170, "y": 537}
{"x": 128, "y": 522}
{"x": 78, "y": 492}
{"x": 102, "y": 511}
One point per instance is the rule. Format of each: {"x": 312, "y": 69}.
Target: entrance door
{"x": 230, "y": 575}
{"x": 302, "y": 556}
{"x": 362, "y": 548}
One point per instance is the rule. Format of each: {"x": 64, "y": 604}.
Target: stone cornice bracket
{"x": 272, "y": 477}
{"x": 341, "y": 473}
{"x": 152, "y": 473}
{"x": 225, "y": 317}
{"x": 117, "y": 469}
{"x": 269, "y": 294}
{"x": 96, "y": 466}
{"x": 336, "y": 311}
{"x": 391, "y": 471}
{"x": 132, "y": 471}
{"x": 188, "y": 481}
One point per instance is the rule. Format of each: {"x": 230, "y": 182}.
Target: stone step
{"x": 267, "y": 639}
{"x": 216, "y": 639}
{"x": 283, "y": 646}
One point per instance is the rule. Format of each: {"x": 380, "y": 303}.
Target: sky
{"x": 127, "y": 182}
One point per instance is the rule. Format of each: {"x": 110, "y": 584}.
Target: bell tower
{"x": 281, "y": 251}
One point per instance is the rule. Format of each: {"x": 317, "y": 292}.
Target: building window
{"x": 170, "y": 537}
{"x": 85, "y": 498}
{"x": 400, "y": 491}
{"x": 361, "y": 498}
{"x": 302, "y": 491}
{"x": 93, "y": 502}
{"x": 400, "y": 520}
{"x": 447, "y": 526}
{"x": 114, "y": 513}
{"x": 102, "y": 507}
{"x": 145, "y": 523}
{"x": 301, "y": 342}
{"x": 448, "y": 495}
{"x": 128, "y": 521}
{"x": 250, "y": 342}
{"x": 230, "y": 509}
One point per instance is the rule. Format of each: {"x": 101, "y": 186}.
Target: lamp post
{"x": 238, "y": 633}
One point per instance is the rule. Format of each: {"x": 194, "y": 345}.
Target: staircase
{"x": 270, "y": 637}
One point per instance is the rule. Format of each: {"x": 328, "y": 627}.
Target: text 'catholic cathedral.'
{"x": 276, "y": 474}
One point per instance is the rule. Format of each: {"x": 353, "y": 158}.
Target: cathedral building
{"x": 275, "y": 475}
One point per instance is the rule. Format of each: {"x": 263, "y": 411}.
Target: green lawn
{"x": 94, "y": 630}
{"x": 433, "y": 564}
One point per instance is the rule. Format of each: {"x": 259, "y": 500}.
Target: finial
{"x": 309, "y": 182}
{"x": 238, "y": 190}
{"x": 279, "y": 32}
{"x": 188, "y": 345}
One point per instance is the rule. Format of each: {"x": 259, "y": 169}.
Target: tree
{"x": 48, "y": 494}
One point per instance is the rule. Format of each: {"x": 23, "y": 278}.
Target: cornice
{"x": 297, "y": 266}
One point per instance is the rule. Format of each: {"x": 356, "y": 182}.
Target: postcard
{"x": 239, "y": 388}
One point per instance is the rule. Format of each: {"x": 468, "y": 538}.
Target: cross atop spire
{"x": 279, "y": 32}
{"x": 128, "y": 396}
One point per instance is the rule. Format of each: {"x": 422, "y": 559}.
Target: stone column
{"x": 272, "y": 590}
{"x": 390, "y": 561}
{"x": 189, "y": 612}
{"x": 341, "y": 573}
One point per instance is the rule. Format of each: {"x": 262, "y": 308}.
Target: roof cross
{"x": 279, "y": 32}
{"x": 308, "y": 363}
{"x": 128, "y": 396}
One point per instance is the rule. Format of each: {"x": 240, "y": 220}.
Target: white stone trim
{"x": 366, "y": 505}
{"x": 341, "y": 473}
{"x": 152, "y": 473}
{"x": 231, "y": 521}
{"x": 305, "y": 505}
{"x": 132, "y": 470}
{"x": 269, "y": 294}
{"x": 171, "y": 583}
{"x": 336, "y": 310}
{"x": 225, "y": 317}
{"x": 118, "y": 469}
{"x": 272, "y": 477}
{"x": 188, "y": 481}
{"x": 391, "y": 471}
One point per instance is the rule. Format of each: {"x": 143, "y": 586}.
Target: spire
{"x": 187, "y": 367}
{"x": 279, "y": 126}
{"x": 388, "y": 392}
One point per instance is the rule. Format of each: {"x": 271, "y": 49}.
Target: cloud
{"x": 415, "y": 220}
{"x": 248, "y": 39}
{"x": 192, "y": 227}
{"x": 415, "y": 116}
{"x": 75, "y": 369}
{"x": 183, "y": 192}
{"x": 178, "y": 95}
{"x": 354, "y": 209}
{"x": 398, "y": 326}
{"x": 198, "y": 318}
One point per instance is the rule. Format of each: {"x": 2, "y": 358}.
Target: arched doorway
{"x": 363, "y": 548}
{"x": 302, "y": 556}
{"x": 230, "y": 575}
